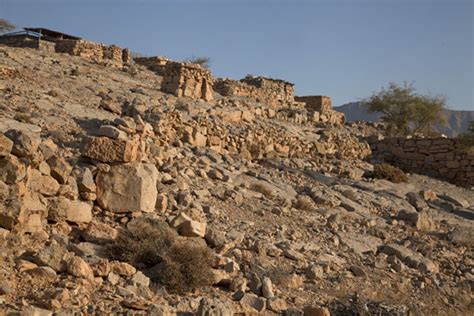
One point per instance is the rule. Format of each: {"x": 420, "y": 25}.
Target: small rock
{"x": 123, "y": 268}
{"x": 267, "y": 288}
{"x": 44, "y": 273}
{"x": 79, "y": 268}
{"x": 6, "y": 145}
{"x": 140, "y": 278}
{"x": 293, "y": 254}
{"x": 315, "y": 272}
{"x": 214, "y": 307}
{"x": 113, "y": 278}
{"x": 277, "y": 305}
{"x": 60, "y": 169}
{"x": 51, "y": 255}
{"x": 12, "y": 170}
{"x": 6, "y": 287}
{"x": 74, "y": 211}
{"x": 161, "y": 203}
{"x": 188, "y": 227}
{"x": 358, "y": 271}
{"x": 253, "y": 301}
{"x": 86, "y": 181}
{"x": 25, "y": 144}
{"x": 111, "y": 132}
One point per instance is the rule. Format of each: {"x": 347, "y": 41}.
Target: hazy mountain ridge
{"x": 457, "y": 122}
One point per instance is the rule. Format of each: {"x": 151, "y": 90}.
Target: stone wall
{"x": 93, "y": 51}
{"x": 26, "y": 41}
{"x": 155, "y": 63}
{"x": 444, "y": 158}
{"x": 265, "y": 90}
{"x": 187, "y": 80}
{"x": 318, "y": 103}
{"x": 321, "y": 106}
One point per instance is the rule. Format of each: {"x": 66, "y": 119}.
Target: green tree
{"x": 404, "y": 111}
{"x": 6, "y": 26}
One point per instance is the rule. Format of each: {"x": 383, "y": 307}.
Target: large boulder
{"x": 128, "y": 187}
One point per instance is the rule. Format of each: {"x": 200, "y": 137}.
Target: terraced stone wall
{"x": 444, "y": 158}
{"x": 93, "y": 51}
{"x": 273, "y": 92}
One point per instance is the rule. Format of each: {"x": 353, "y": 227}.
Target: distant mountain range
{"x": 456, "y": 121}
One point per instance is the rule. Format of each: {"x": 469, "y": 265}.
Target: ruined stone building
{"x": 322, "y": 107}
{"x": 273, "y": 92}
{"x": 37, "y": 38}
{"x": 53, "y": 41}
{"x": 155, "y": 63}
{"x": 187, "y": 80}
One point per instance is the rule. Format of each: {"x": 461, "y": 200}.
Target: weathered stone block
{"x": 111, "y": 150}
{"x": 128, "y": 187}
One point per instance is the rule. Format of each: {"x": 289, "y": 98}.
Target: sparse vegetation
{"x": 388, "y": 172}
{"x": 467, "y": 138}
{"x": 181, "y": 265}
{"x": 203, "y": 61}
{"x": 404, "y": 111}
{"x": 6, "y": 26}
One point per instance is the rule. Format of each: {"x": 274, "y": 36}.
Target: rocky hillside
{"x": 457, "y": 122}
{"x": 117, "y": 198}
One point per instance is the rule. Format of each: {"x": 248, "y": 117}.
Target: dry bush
{"x": 388, "y": 172}
{"x": 185, "y": 267}
{"x": 180, "y": 265}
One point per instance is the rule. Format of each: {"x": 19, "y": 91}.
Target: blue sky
{"x": 342, "y": 48}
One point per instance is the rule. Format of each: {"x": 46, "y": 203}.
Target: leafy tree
{"x": 202, "y": 61}
{"x": 404, "y": 111}
{"x": 6, "y": 26}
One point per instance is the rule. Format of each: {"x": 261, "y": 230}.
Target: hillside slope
{"x": 456, "y": 121}
{"x": 252, "y": 209}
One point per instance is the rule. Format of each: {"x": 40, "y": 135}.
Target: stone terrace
{"x": 445, "y": 158}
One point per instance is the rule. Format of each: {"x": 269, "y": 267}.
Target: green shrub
{"x": 388, "y": 172}
{"x": 180, "y": 264}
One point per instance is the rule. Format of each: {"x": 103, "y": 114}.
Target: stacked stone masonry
{"x": 269, "y": 91}
{"x": 187, "y": 80}
{"x": 156, "y": 64}
{"x": 444, "y": 158}
{"x": 27, "y": 41}
{"x": 93, "y": 51}
{"x": 322, "y": 106}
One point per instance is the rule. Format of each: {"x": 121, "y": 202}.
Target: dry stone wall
{"x": 187, "y": 80}
{"x": 269, "y": 91}
{"x": 93, "y": 51}
{"x": 444, "y": 158}
{"x": 27, "y": 41}
{"x": 155, "y": 63}
{"x": 321, "y": 107}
